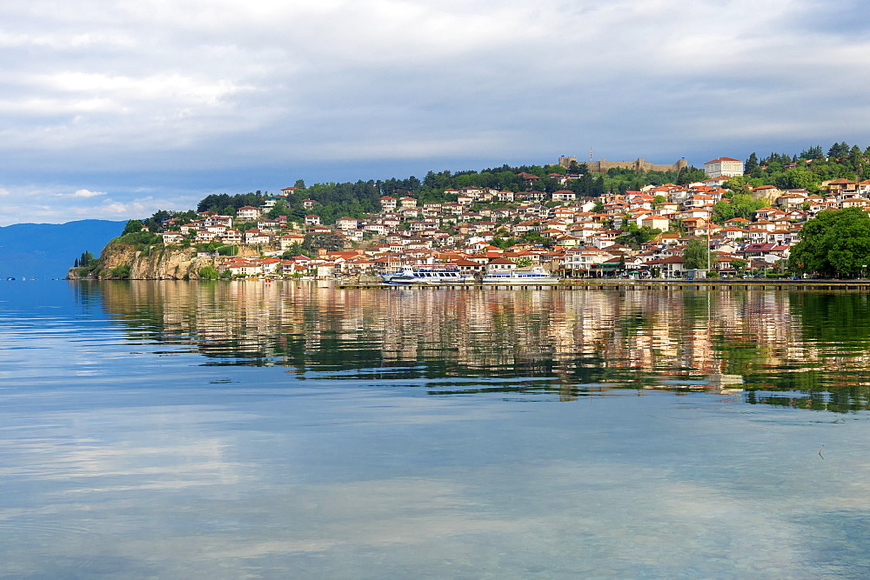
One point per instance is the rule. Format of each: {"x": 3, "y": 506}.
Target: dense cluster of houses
{"x": 581, "y": 233}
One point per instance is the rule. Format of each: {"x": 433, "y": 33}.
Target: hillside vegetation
{"x": 805, "y": 170}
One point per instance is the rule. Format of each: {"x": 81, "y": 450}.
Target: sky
{"x": 115, "y": 109}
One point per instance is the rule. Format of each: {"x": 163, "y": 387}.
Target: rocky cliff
{"x": 157, "y": 262}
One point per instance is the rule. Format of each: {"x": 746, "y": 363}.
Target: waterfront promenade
{"x": 649, "y": 284}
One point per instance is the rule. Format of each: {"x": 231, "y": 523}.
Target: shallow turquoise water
{"x": 288, "y": 431}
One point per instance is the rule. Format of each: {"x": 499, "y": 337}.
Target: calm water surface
{"x": 245, "y": 430}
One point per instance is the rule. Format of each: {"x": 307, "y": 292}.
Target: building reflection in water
{"x": 570, "y": 342}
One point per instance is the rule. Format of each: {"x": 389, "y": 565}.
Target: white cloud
{"x": 211, "y": 84}
{"x": 88, "y": 193}
{"x": 124, "y": 209}
{"x": 36, "y": 205}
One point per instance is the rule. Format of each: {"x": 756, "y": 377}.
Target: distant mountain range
{"x": 50, "y": 250}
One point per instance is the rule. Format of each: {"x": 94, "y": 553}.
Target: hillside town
{"x": 636, "y": 233}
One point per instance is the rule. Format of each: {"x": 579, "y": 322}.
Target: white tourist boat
{"x": 427, "y": 275}
{"x": 521, "y": 276}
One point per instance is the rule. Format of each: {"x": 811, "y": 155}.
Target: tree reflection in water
{"x": 789, "y": 348}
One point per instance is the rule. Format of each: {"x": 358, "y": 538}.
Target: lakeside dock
{"x": 627, "y": 284}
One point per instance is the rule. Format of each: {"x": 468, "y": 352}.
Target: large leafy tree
{"x": 634, "y": 236}
{"x": 280, "y": 208}
{"x": 327, "y": 241}
{"x": 688, "y": 175}
{"x": 740, "y": 205}
{"x": 798, "y": 178}
{"x": 834, "y": 243}
{"x": 227, "y": 204}
{"x": 695, "y": 254}
{"x": 743, "y": 183}
{"x": 132, "y": 227}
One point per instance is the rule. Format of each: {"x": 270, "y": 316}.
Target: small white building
{"x": 172, "y": 237}
{"x": 564, "y": 195}
{"x": 248, "y": 213}
{"x": 347, "y": 223}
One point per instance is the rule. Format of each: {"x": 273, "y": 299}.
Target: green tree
{"x": 575, "y": 168}
{"x": 738, "y": 264}
{"x": 280, "y": 208}
{"x": 695, "y": 254}
{"x": 740, "y": 205}
{"x": 503, "y": 243}
{"x": 208, "y": 273}
{"x": 84, "y": 260}
{"x": 132, "y": 227}
{"x": 839, "y": 150}
{"x": 634, "y": 236}
{"x": 293, "y": 250}
{"x": 688, "y": 175}
{"x": 798, "y": 178}
{"x": 534, "y": 237}
{"x": 834, "y": 243}
{"x": 751, "y": 164}
{"x": 331, "y": 241}
{"x": 856, "y": 160}
{"x": 227, "y": 205}
{"x": 742, "y": 183}
{"x": 812, "y": 153}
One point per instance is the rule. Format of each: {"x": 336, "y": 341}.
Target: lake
{"x": 287, "y": 430}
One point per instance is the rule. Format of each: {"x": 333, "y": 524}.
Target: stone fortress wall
{"x": 639, "y": 165}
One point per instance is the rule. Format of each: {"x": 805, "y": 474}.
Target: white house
{"x": 255, "y": 236}
{"x": 247, "y": 213}
{"x": 172, "y": 237}
{"x": 564, "y": 195}
{"x": 500, "y": 265}
{"x": 286, "y": 241}
{"x": 656, "y": 222}
{"x": 232, "y": 236}
{"x": 347, "y": 223}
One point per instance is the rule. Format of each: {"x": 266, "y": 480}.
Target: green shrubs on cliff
{"x": 121, "y": 272}
{"x": 140, "y": 239}
{"x": 86, "y": 265}
{"x": 208, "y": 273}
{"x": 134, "y": 235}
{"x": 92, "y": 270}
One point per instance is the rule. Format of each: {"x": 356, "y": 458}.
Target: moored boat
{"x": 531, "y": 276}
{"x": 427, "y": 275}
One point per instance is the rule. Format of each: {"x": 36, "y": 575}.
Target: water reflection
{"x": 807, "y": 349}
{"x": 186, "y": 430}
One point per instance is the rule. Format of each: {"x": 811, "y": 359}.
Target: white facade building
{"x": 724, "y": 167}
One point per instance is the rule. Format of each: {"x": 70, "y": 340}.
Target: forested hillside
{"x": 335, "y": 200}
{"x": 806, "y": 170}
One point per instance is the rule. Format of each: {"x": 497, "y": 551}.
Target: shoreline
{"x": 589, "y": 284}
{"x": 566, "y": 284}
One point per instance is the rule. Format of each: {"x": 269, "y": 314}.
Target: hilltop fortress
{"x": 639, "y": 165}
